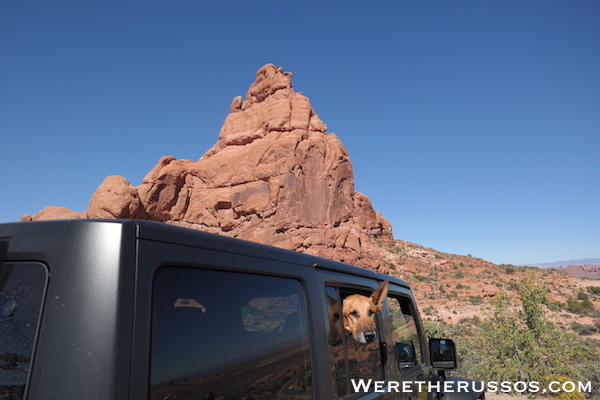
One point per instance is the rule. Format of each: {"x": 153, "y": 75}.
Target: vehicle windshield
{"x": 22, "y": 288}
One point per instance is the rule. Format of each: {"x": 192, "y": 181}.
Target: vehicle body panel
{"x": 94, "y": 336}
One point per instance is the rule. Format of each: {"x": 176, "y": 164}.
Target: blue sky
{"x": 473, "y": 126}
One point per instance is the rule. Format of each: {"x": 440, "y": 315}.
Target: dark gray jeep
{"x": 143, "y": 310}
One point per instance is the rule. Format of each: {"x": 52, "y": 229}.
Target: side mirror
{"x": 405, "y": 355}
{"x": 443, "y": 354}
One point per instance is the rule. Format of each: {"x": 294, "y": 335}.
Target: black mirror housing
{"x": 443, "y": 354}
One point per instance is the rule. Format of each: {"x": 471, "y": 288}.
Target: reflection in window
{"x": 228, "y": 335}
{"x": 407, "y": 346}
{"x": 22, "y": 288}
{"x": 351, "y": 360}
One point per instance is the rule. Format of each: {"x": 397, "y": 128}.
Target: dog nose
{"x": 369, "y": 336}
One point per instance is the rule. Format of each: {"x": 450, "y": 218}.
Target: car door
{"x": 408, "y": 346}
{"x": 223, "y": 324}
{"x": 355, "y": 368}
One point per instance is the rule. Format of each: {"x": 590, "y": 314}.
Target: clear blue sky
{"x": 473, "y": 126}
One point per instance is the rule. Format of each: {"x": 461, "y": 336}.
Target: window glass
{"x": 407, "y": 346}
{"x": 22, "y": 288}
{"x": 351, "y": 359}
{"x": 228, "y": 335}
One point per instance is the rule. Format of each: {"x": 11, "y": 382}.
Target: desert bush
{"x": 434, "y": 330}
{"x": 508, "y": 268}
{"x": 587, "y": 330}
{"x": 583, "y": 307}
{"x": 581, "y": 295}
{"x": 593, "y": 289}
{"x": 428, "y": 310}
{"x": 562, "y": 395}
{"x": 554, "y": 306}
{"x": 523, "y": 344}
{"x": 395, "y": 250}
{"x": 576, "y": 326}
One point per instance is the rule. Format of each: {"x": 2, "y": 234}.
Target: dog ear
{"x": 331, "y": 300}
{"x": 334, "y": 311}
{"x": 380, "y": 295}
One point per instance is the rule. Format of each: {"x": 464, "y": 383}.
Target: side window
{"x": 407, "y": 345}
{"x": 22, "y": 287}
{"x": 228, "y": 335}
{"x": 355, "y": 352}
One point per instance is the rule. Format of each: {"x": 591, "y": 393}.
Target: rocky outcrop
{"x": 589, "y": 271}
{"x": 52, "y": 212}
{"x": 116, "y": 198}
{"x": 275, "y": 176}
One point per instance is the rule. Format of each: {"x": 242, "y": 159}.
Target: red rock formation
{"x": 275, "y": 176}
{"x": 591, "y": 271}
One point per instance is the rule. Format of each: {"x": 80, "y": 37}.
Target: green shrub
{"x": 395, "y": 250}
{"x": 582, "y": 295}
{"x": 593, "y": 289}
{"x": 583, "y": 307}
{"x": 562, "y": 395}
{"x": 508, "y": 268}
{"x": 428, "y": 310}
{"x": 554, "y": 306}
{"x": 527, "y": 346}
{"x": 434, "y": 330}
{"x": 587, "y": 330}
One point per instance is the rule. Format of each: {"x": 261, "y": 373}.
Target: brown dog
{"x": 358, "y": 313}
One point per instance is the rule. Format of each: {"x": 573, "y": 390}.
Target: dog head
{"x": 358, "y": 314}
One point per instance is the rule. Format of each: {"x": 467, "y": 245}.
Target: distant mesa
{"x": 582, "y": 270}
{"x": 583, "y": 261}
{"x": 274, "y": 176}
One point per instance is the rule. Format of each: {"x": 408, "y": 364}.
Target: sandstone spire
{"x": 275, "y": 176}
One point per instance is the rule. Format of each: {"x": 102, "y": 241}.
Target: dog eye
{"x": 371, "y": 312}
{"x": 354, "y": 314}
{"x": 336, "y": 316}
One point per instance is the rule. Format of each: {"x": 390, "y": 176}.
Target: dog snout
{"x": 370, "y": 336}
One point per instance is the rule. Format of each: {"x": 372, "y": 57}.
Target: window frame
{"x": 40, "y": 311}
{"x": 218, "y": 253}
{"x": 394, "y": 295}
{"x": 302, "y": 308}
{"x": 362, "y": 285}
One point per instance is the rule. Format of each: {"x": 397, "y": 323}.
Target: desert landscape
{"x": 277, "y": 177}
